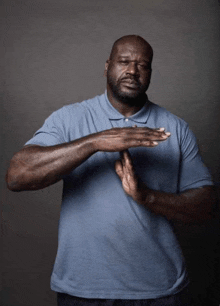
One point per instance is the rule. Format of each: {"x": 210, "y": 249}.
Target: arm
{"x": 35, "y": 167}
{"x": 189, "y": 206}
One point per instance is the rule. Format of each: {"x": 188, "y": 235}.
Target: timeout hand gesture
{"x": 120, "y": 139}
{"x": 130, "y": 181}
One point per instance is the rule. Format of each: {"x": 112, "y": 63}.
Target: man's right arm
{"x": 36, "y": 167}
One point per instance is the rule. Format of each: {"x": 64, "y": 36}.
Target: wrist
{"x": 93, "y": 143}
{"x": 150, "y": 198}
{"x": 143, "y": 195}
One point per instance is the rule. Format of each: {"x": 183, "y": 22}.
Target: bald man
{"x": 129, "y": 168}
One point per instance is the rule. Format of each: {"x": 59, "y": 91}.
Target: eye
{"x": 144, "y": 66}
{"x": 124, "y": 62}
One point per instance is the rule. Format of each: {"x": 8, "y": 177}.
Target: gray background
{"x": 53, "y": 54}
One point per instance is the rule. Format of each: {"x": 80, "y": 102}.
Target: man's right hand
{"x": 36, "y": 167}
{"x": 120, "y": 139}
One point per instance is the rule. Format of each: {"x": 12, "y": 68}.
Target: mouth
{"x": 130, "y": 83}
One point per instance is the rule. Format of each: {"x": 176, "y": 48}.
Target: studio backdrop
{"x": 54, "y": 53}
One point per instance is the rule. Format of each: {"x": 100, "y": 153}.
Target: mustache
{"x": 130, "y": 79}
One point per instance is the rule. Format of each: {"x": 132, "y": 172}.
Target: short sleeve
{"x": 53, "y": 131}
{"x": 193, "y": 172}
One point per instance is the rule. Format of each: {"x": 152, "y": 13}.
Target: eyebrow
{"x": 127, "y": 57}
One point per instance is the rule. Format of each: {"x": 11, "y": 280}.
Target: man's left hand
{"x": 130, "y": 181}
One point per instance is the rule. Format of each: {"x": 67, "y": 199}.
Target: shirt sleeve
{"x": 52, "y": 132}
{"x": 193, "y": 172}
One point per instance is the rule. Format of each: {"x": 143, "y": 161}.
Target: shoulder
{"x": 165, "y": 115}
{"x": 172, "y": 123}
{"x": 76, "y": 110}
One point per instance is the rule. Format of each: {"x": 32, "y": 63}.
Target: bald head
{"x": 133, "y": 40}
{"x": 128, "y": 70}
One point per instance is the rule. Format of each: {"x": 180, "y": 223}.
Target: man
{"x": 116, "y": 242}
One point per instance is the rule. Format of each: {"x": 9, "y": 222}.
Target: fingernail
{"x": 155, "y": 143}
{"x": 162, "y": 129}
{"x": 168, "y": 133}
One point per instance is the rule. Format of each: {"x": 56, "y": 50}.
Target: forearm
{"x": 36, "y": 167}
{"x": 194, "y": 205}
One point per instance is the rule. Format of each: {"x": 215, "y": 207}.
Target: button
{"x": 126, "y": 119}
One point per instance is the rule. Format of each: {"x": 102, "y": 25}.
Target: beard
{"x": 130, "y": 96}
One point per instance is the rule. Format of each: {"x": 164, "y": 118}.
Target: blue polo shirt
{"x": 109, "y": 246}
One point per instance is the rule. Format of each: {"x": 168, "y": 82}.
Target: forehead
{"x": 133, "y": 49}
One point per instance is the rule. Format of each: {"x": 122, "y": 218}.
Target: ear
{"x": 106, "y": 67}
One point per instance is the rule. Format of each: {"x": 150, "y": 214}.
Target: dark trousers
{"x": 179, "y": 299}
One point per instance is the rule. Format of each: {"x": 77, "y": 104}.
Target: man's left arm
{"x": 193, "y": 205}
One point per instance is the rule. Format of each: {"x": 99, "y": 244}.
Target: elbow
{"x": 21, "y": 174}
{"x": 16, "y": 176}
{"x": 14, "y": 187}
{"x": 202, "y": 218}
{"x": 13, "y": 182}
{"x": 203, "y": 209}
{"x": 21, "y": 178}
{"x": 210, "y": 207}
{"x": 205, "y": 215}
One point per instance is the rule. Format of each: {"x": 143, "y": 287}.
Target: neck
{"x": 127, "y": 107}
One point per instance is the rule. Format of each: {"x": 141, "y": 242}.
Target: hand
{"x": 192, "y": 205}
{"x": 130, "y": 181}
{"x": 120, "y": 139}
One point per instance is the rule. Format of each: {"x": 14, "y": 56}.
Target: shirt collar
{"x": 140, "y": 117}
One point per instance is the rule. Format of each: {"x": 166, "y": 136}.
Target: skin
{"x": 128, "y": 72}
{"x": 193, "y": 205}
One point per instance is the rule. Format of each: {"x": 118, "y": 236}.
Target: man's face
{"x": 129, "y": 71}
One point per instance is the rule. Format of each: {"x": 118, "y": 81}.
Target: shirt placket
{"x": 128, "y": 122}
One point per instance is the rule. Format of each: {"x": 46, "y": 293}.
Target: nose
{"x": 132, "y": 69}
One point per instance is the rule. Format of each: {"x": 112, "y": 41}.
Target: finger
{"x": 141, "y": 133}
{"x": 148, "y": 133}
{"x": 162, "y": 129}
{"x": 119, "y": 169}
{"x": 128, "y": 167}
{"x": 148, "y": 143}
{"x": 127, "y": 159}
{"x": 157, "y": 134}
{"x": 141, "y": 143}
{"x": 122, "y": 158}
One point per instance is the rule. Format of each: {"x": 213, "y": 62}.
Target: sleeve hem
{"x": 197, "y": 184}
